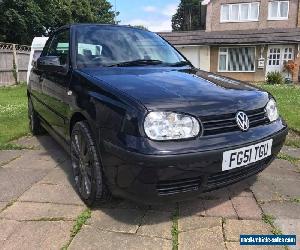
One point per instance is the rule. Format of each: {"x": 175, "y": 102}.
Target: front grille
{"x": 178, "y": 186}
{"x": 223, "y": 178}
{"x": 219, "y": 124}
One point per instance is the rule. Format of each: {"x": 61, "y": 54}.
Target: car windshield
{"x": 115, "y": 46}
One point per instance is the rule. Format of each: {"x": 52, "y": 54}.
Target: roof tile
{"x": 263, "y": 36}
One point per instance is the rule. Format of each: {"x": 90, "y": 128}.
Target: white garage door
{"x": 199, "y": 56}
{"x": 192, "y": 53}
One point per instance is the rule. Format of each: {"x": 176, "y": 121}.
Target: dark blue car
{"x": 141, "y": 122}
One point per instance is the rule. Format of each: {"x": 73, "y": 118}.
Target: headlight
{"x": 170, "y": 126}
{"x": 272, "y": 111}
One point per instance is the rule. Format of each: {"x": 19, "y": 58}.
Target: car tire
{"x": 87, "y": 167}
{"x": 34, "y": 120}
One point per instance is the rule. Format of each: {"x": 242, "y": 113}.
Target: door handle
{"x": 41, "y": 78}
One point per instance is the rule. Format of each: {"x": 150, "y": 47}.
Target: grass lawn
{"x": 288, "y": 98}
{"x": 13, "y": 114}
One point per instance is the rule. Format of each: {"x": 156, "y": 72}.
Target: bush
{"x": 275, "y": 78}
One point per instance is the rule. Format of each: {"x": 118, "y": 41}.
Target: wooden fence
{"x": 14, "y": 60}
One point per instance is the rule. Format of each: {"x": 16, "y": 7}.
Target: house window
{"x": 279, "y": 54}
{"x": 274, "y": 56}
{"x": 278, "y": 10}
{"x": 243, "y": 12}
{"x": 288, "y": 54}
{"x": 241, "y": 59}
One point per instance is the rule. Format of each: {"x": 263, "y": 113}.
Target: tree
{"x": 139, "y": 26}
{"x": 22, "y": 20}
{"x": 188, "y": 16}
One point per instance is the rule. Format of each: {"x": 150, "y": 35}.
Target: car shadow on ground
{"x": 215, "y": 200}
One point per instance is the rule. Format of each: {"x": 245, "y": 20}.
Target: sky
{"x": 156, "y": 15}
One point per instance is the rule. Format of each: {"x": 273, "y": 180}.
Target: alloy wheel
{"x": 31, "y": 117}
{"x": 82, "y": 161}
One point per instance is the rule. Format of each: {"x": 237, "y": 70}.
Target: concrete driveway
{"x": 39, "y": 208}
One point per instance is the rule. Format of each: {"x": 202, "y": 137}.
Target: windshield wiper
{"x": 180, "y": 64}
{"x": 136, "y": 63}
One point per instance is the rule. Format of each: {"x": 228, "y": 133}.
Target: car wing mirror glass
{"x": 50, "y": 64}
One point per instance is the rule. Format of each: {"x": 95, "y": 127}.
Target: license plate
{"x": 247, "y": 155}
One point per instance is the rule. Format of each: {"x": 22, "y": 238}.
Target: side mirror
{"x": 50, "y": 64}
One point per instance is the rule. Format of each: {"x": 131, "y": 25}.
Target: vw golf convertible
{"x": 140, "y": 122}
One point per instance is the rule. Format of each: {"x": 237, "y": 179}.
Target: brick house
{"x": 244, "y": 39}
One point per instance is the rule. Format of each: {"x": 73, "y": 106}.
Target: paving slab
{"x": 52, "y": 194}
{"x": 218, "y": 194}
{"x": 156, "y": 224}
{"x": 7, "y": 227}
{"x": 43, "y": 142}
{"x": 247, "y": 208}
{"x": 91, "y": 239}
{"x": 219, "y": 208}
{"x": 167, "y": 207}
{"x": 240, "y": 189}
{"x": 59, "y": 176}
{"x": 113, "y": 203}
{"x": 206, "y": 239}
{"x": 264, "y": 189}
{"x": 234, "y": 228}
{"x": 29, "y": 141}
{"x": 7, "y": 156}
{"x": 237, "y": 246}
{"x": 36, "y": 211}
{"x": 282, "y": 169}
{"x": 121, "y": 203}
{"x": 291, "y": 151}
{"x": 14, "y": 182}
{"x": 35, "y": 159}
{"x": 127, "y": 204}
{"x": 193, "y": 207}
{"x": 39, "y": 235}
{"x": 287, "y": 189}
{"x": 117, "y": 220}
{"x": 116, "y": 202}
{"x": 289, "y": 226}
{"x": 281, "y": 209}
{"x": 197, "y": 222}
{"x": 3, "y": 205}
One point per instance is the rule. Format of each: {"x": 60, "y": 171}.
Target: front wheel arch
{"x": 76, "y": 117}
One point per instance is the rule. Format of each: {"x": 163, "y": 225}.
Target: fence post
{"x": 15, "y": 62}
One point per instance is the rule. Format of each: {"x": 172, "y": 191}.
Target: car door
{"x": 35, "y": 84}
{"x": 55, "y": 85}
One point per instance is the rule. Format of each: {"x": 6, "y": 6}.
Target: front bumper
{"x": 157, "y": 178}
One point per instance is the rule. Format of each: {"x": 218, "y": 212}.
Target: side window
{"x": 46, "y": 47}
{"x": 60, "y": 47}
